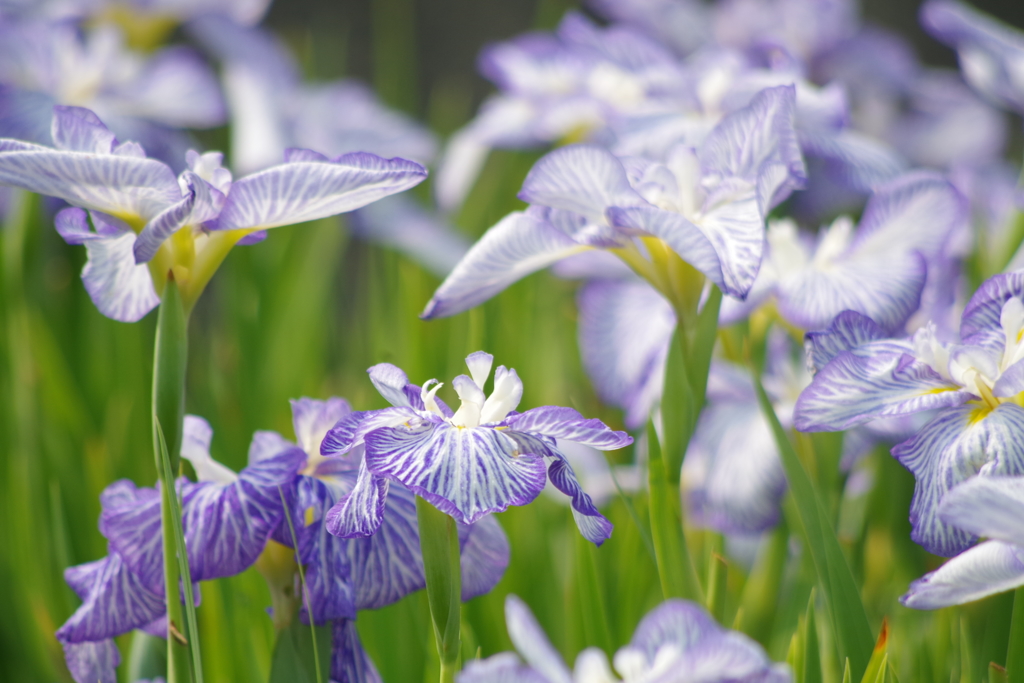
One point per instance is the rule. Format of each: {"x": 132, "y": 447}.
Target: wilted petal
{"x": 957, "y": 445}
{"x": 92, "y": 661}
{"x": 592, "y": 524}
{"x": 986, "y": 569}
{"x": 519, "y": 244}
{"x": 349, "y": 661}
{"x": 992, "y": 507}
{"x": 532, "y": 644}
{"x": 568, "y": 424}
{"x": 465, "y": 473}
{"x": 580, "y": 178}
{"x": 857, "y": 387}
{"x": 484, "y": 556}
{"x": 302, "y": 191}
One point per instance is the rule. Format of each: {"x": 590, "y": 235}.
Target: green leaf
{"x": 812, "y": 648}
{"x": 879, "y": 657}
{"x": 849, "y": 619}
{"x": 996, "y": 673}
{"x": 1015, "y": 648}
{"x": 592, "y": 602}
{"x": 439, "y": 543}
{"x": 678, "y": 409}
{"x": 294, "y": 658}
{"x": 675, "y": 565}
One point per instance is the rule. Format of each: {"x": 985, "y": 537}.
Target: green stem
{"x": 1015, "y": 651}
{"x": 439, "y": 543}
{"x": 170, "y": 358}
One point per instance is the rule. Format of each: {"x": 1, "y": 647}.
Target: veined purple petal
{"x": 349, "y": 661}
{"x": 592, "y": 524}
{"x": 361, "y": 511}
{"x": 568, "y": 424}
{"x": 484, "y": 557}
{"x": 312, "y": 419}
{"x": 676, "y": 622}
{"x": 986, "y": 569}
{"x": 516, "y": 246}
{"x": 532, "y": 644}
{"x": 1011, "y": 381}
{"x": 857, "y": 387}
{"x": 466, "y": 473}
{"x": 351, "y": 429}
{"x": 983, "y": 311}
{"x": 732, "y": 656}
{"x": 735, "y": 226}
{"x": 195, "y": 447}
{"x": 580, "y": 178}
{"x": 176, "y": 88}
{"x": 92, "y": 661}
{"x": 114, "y": 601}
{"x": 992, "y": 507}
{"x": 624, "y": 333}
{"x": 504, "y": 667}
{"x": 200, "y": 202}
{"x": 758, "y": 144}
{"x": 853, "y": 159}
{"x": 76, "y": 129}
{"x": 392, "y": 383}
{"x": 302, "y": 191}
{"x": 685, "y": 238}
{"x": 847, "y": 331}
{"x": 955, "y": 446}
{"x": 267, "y": 444}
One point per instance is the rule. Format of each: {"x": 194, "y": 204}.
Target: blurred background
{"x": 304, "y": 314}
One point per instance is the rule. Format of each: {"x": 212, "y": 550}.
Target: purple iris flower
{"x": 708, "y": 205}
{"x": 480, "y": 459}
{"x": 991, "y": 53}
{"x": 143, "y": 98}
{"x": 974, "y": 386}
{"x": 990, "y": 507}
{"x": 147, "y": 223}
{"x": 676, "y": 642}
{"x": 227, "y": 519}
{"x": 149, "y": 17}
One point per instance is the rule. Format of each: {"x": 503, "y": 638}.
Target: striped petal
{"x": 674, "y": 622}
{"x": 199, "y": 203}
{"x": 685, "y": 238}
{"x": 312, "y": 419}
{"x": 594, "y": 526}
{"x": 982, "y": 314}
{"x": 361, "y": 511}
{"x": 846, "y": 332}
{"x": 351, "y": 429}
{"x": 114, "y": 601}
{"x": 518, "y": 245}
{"x": 853, "y": 389}
{"x": 992, "y": 507}
{"x": 582, "y": 179}
{"x": 466, "y": 473}
{"x": 736, "y": 229}
{"x": 986, "y": 569}
{"x": 302, "y": 191}
{"x": 92, "y": 661}
{"x": 955, "y": 446}
{"x": 566, "y": 423}
{"x": 532, "y": 644}
{"x": 350, "y": 662}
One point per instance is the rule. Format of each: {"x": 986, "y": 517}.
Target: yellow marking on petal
{"x": 308, "y": 517}
{"x": 578, "y": 134}
{"x": 142, "y": 31}
{"x": 940, "y": 390}
{"x": 979, "y": 414}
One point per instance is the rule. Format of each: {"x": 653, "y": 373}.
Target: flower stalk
{"x": 439, "y": 543}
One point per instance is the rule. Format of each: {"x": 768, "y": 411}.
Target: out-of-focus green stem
{"x": 439, "y": 543}
{"x": 1015, "y": 649}
{"x": 170, "y": 358}
{"x": 675, "y": 566}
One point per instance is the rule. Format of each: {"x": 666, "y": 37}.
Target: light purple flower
{"x": 480, "y": 459}
{"x": 675, "y": 642}
{"x": 991, "y": 53}
{"x": 143, "y": 98}
{"x": 974, "y": 386}
{"x": 708, "y": 205}
{"x": 227, "y": 520}
{"x": 146, "y": 219}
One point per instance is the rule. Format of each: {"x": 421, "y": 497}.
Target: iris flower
{"x": 976, "y": 388}
{"x": 148, "y": 225}
{"x": 480, "y": 459}
{"x": 677, "y": 642}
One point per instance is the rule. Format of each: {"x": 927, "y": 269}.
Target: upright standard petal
{"x": 464, "y": 472}
{"x": 986, "y": 569}
{"x": 518, "y": 245}
{"x": 302, "y": 191}
{"x": 582, "y": 179}
{"x": 958, "y": 444}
